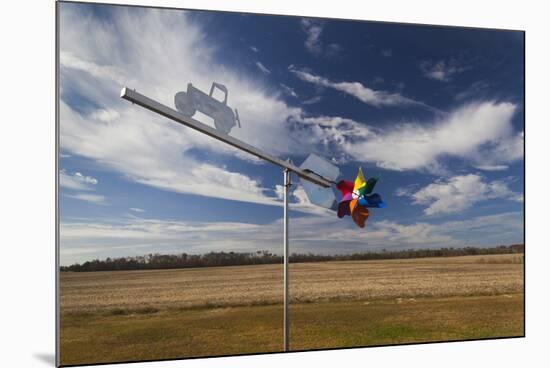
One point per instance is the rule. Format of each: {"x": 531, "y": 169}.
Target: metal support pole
{"x": 285, "y": 256}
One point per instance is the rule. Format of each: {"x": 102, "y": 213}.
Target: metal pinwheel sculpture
{"x": 357, "y": 198}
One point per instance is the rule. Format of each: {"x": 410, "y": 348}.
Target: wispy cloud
{"x": 101, "y": 71}
{"x": 386, "y": 52}
{"x": 461, "y": 192}
{"x": 76, "y": 181}
{"x": 140, "y": 149}
{"x": 288, "y": 90}
{"x": 442, "y": 70}
{"x": 424, "y": 145}
{"x": 85, "y": 240}
{"x": 406, "y": 191}
{"x": 491, "y": 167}
{"x": 141, "y": 146}
{"x": 93, "y": 198}
{"x": 475, "y": 91}
{"x": 79, "y": 187}
{"x": 105, "y": 115}
{"x": 135, "y": 209}
{"x": 313, "y": 29}
{"x": 302, "y": 204}
{"x": 263, "y": 68}
{"x": 481, "y": 133}
{"x": 146, "y": 148}
{"x": 312, "y": 100}
{"x": 255, "y": 49}
{"x": 369, "y": 96}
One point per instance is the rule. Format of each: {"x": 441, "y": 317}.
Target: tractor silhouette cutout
{"x": 195, "y": 100}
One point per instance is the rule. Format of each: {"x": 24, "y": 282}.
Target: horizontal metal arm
{"x": 172, "y": 114}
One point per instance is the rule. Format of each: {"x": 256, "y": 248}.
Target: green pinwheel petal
{"x": 369, "y": 187}
{"x": 361, "y": 191}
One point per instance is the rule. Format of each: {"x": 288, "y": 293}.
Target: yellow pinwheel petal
{"x": 359, "y": 180}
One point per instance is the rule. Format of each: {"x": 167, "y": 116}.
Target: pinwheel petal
{"x": 360, "y": 215}
{"x": 374, "y": 200}
{"x": 359, "y": 180}
{"x": 369, "y": 187}
{"x": 343, "y": 209}
{"x": 352, "y": 204}
{"x": 344, "y": 187}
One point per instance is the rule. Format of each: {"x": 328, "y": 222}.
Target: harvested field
{"x": 147, "y": 315}
{"x": 105, "y": 292}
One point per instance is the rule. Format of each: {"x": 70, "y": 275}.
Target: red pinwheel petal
{"x": 345, "y": 187}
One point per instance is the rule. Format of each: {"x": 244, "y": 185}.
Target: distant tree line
{"x": 213, "y": 259}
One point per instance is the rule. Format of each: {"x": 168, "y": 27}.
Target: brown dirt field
{"x": 121, "y": 292}
{"x": 170, "y": 314}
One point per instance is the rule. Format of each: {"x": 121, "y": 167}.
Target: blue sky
{"x": 436, "y": 112}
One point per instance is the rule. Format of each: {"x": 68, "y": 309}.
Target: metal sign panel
{"x": 196, "y": 100}
{"x": 320, "y": 196}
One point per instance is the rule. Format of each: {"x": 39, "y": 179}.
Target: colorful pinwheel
{"x": 356, "y": 197}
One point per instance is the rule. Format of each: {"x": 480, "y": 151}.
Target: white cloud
{"x": 255, "y": 49}
{"x": 104, "y": 115}
{"x": 135, "y": 209}
{"x": 441, "y": 70}
{"x": 482, "y": 133}
{"x": 333, "y": 50}
{"x": 93, "y": 198}
{"x": 477, "y": 90}
{"x": 298, "y": 201}
{"x": 80, "y": 185}
{"x": 149, "y": 151}
{"x": 333, "y": 136}
{"x": 404, "y": 191}
{"x": 76, "y": 181}
{"x": 263, "y": 68}
{"x": 500, "y": 225}
{"x": 185, "y": 58}
{"x": 288, "y": 90}
{"x": 302, "y": 204}
{"x": 300, "y": 194}
{"x": 491, "y": 167}
{"x": 107, "y": 72}
{"x": 82, "y": 241}
{"x": 312, "y": 100}
{"x": 279, "y": 191}
{"x": 461, "y": 192}
{"x": 387, "y": 52}
{"x": 146, "y": 148}
{"x": 313, "y": 30}
{"x": 85, "y": 240}
{"x": 376, "y": 98}
{"x": 507, "y": 149}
